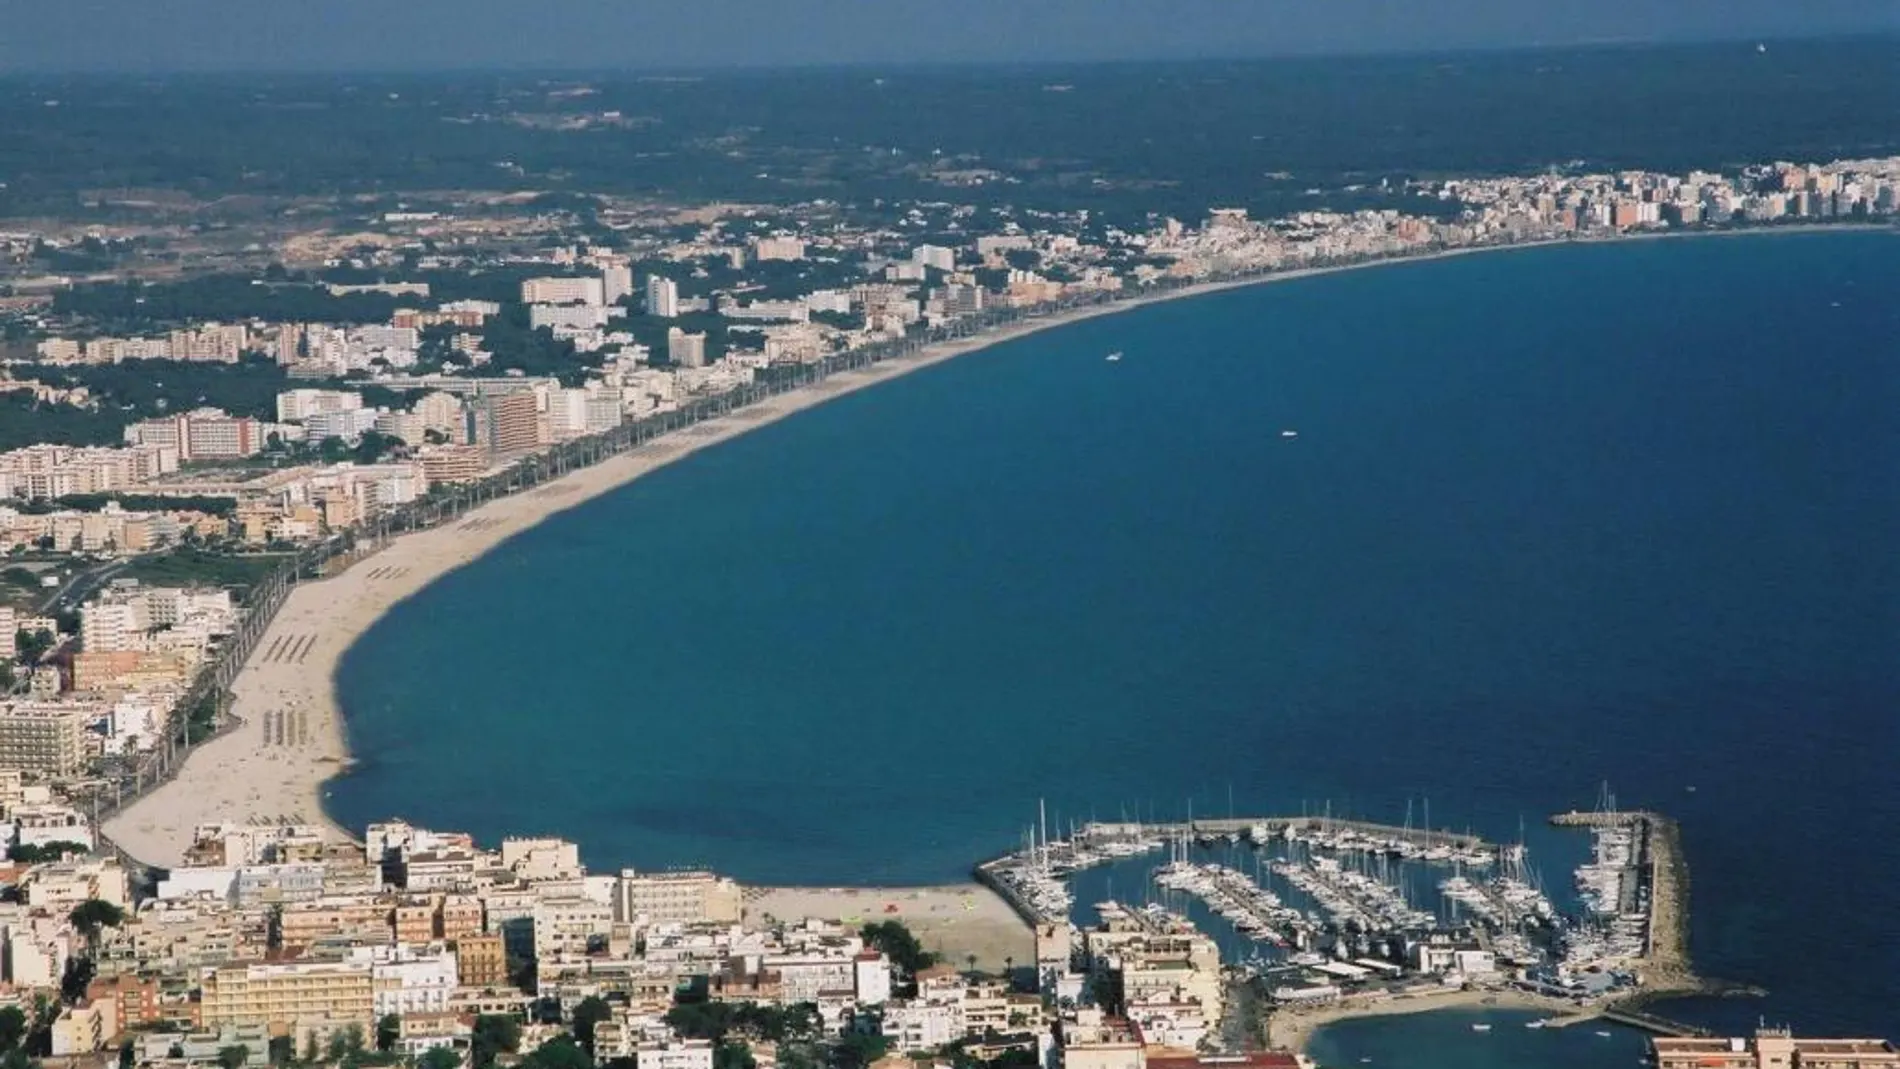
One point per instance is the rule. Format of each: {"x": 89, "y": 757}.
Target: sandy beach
{"x": 1292, "y": 1029}
{"x": 958, "y": 922}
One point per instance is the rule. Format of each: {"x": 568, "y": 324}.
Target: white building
{"x": 349, "y": 423}
{"x": 934, "y": 256}
{"x": 871, "y": 973}
{"x": 405, "y": 980}
{"x": 663, "y": 297}
{"x": 563, "y": 291}
{"x": 778, "y": 248}
{"x": 294, "y": 406}
{"x": 915, "y": 1025}
{"x": 567, "y": 316}
{"x": 677, "y": 1054}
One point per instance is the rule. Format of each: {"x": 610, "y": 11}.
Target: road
{"x": 82, "y": 584}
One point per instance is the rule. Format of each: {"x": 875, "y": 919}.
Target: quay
{"x": 1101, "y": 831}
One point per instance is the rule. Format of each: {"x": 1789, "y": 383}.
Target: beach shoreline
{"x": 263, "y": 772}
{"x": 290, "y": 737}
{"x": 1293, "y": 1028}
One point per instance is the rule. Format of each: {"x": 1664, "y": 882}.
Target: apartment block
{"x": 676, "y": 898}
{"x": 46, "y": 738}
{"x": 303, "y": 996}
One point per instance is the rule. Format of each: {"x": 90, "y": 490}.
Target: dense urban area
{"x": 192, "y": 421}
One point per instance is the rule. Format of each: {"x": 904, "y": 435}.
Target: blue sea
{"x": 1553, "y": 517}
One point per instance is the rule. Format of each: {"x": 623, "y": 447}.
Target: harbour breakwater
{"x": 1667, "y": 971}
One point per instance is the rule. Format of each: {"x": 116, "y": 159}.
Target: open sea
{"x": 1552, "y": 517}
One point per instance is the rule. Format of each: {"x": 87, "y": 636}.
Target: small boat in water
{"x": 1114, "y": 356}
{"x": 1533, "y": 1024}
{"x": 1604, "y": 1034}
{"x": 1480, "y": 1027}
{"x": 1289, "y": 434}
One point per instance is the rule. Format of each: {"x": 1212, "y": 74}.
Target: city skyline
{"x": 115, "y": 36}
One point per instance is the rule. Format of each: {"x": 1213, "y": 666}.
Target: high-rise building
{"x": 685, "y": 350}
{"x": 663, "y": 297}
{"x": 616, "y": 282}
{"x": 934, "y": 256}
{"x": 505, "y": 423}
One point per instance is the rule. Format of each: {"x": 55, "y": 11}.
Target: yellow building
{"x": 676, "y": 898}
{"x": 47, "y": 738}
{"x": 290, "y": 998}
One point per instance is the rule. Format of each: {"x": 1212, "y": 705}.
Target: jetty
{"x": 1664, "y": 968}
{"x": 1108, "y": 831}
{"x": 1665, "y": 960}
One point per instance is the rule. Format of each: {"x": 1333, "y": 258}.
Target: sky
{"x": 400, "y": 35}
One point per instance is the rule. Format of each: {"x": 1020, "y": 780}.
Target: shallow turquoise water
{"x": 1552, "y": 517}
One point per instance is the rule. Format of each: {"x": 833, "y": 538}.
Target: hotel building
{"x": 1772, "y": 1048}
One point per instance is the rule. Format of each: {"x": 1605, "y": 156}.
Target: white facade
{"x": 343, "y": 423}
{"x": 405, "y": 981}
{"x": 567, "y": 316}
{"x": 778, "y": 249}
{"x": 934, "y": 256}
{"x": 563, "y": 291}
{"x": 296, "y": 405}
{"x": 663, "y": 297}
{"x": 871, "y": 974}
{"x": 914, "y": 1026}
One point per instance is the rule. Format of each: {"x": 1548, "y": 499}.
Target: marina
{"x": 1316, "y": 910}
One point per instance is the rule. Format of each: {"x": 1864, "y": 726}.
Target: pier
{"x": 1649, "y": 1022}
{"x": 1109, "y": 831}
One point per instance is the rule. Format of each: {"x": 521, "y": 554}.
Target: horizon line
{"x": 749, "y": 69}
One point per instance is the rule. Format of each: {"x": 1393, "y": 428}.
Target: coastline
{"x": 1293, "y": 1029}
{"x": 245, "y": 777}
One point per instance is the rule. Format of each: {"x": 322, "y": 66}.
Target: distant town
{"x": 179, "y": 447}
